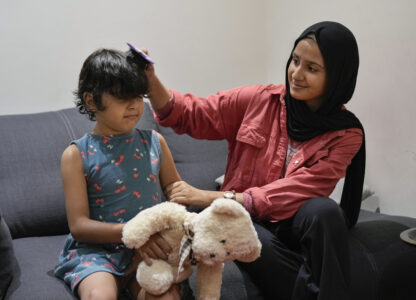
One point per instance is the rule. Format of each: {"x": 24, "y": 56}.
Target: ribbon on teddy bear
{"x": 185, "y": 250}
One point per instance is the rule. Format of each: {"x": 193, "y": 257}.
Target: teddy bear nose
{"x": 212, "y": 255}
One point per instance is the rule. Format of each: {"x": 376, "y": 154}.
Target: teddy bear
{"x": 220, "y": 233}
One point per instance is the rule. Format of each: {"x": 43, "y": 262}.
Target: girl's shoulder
{"x": 70, "y": 152}
{"x": 149, "y": 137}
{"x": 260, "y": 89}
{"x": 82, "y": 140}
{"x": 275, "y": 89}
{"x": 147, "y": 134}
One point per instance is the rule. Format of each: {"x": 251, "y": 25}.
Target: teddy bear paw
{"x": 157, "y": 278}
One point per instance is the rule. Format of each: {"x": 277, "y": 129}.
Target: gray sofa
{"x": 33, "y": 225}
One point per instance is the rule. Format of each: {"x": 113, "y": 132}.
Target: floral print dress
{"x": 122, "y": 174}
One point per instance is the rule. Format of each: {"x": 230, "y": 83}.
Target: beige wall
{"x": 205, "y": 46}
{"x": 198, "y": 46}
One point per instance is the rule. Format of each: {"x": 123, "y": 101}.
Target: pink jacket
{"x": 253, "y": 121}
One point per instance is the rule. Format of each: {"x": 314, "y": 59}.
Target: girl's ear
{"x": 89, "y": 101}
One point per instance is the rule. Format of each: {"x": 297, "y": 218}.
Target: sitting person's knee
{"x": 100, "y": 294}
{"x": 320, "y": 210}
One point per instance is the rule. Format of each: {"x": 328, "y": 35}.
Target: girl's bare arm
{"x": 82, "y": 228}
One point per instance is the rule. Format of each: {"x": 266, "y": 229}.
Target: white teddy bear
{"x": 220, "y": 233}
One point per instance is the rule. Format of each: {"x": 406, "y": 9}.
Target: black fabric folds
{"x": 340, "y": 52}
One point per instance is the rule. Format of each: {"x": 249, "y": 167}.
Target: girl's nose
{"x": 297, "y": 73}
{"x": 133, "y": 103}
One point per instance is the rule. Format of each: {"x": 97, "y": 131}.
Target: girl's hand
{"x": 156, "y": 248}
{"x": 183, "y": 193}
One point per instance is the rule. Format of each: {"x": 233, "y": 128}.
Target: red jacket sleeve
{"x": 215, "y": 117}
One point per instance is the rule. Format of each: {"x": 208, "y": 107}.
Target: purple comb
{"x": 141, "y": 53}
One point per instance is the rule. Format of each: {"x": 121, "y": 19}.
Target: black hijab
{"x": 340, "y": 52}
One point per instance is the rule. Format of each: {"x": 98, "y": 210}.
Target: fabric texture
{"x": 37, "y": 257}
{"x": 385, "y": 264}
{"x": 340, "y": 52}
{"x": 253, "y": 121}
{"x": 32, "y": 195}
{"x": 122, "y": 174}
{"x": 7, "y": 258}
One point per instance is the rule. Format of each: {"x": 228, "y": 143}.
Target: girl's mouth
{"x": 131, "y": 117}
{"x": 294, "y": 85}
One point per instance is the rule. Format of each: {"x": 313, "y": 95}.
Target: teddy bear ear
{"x": 227, "y": 207}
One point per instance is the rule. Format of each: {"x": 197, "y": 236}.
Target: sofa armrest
{"x": 371, "y": 203}
{"x": 8, "y": 261}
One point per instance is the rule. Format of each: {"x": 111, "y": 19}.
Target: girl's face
{"x": 307, "y": 74}
{"x": 119, "y": 115}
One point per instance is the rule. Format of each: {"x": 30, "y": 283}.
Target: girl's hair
{"x": 120, "y": 74}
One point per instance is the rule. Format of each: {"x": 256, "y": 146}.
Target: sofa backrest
{"x": 31, "y": 196}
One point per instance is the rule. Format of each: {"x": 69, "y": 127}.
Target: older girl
{"x": 288, "y": 147}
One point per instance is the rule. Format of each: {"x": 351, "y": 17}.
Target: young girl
{"x": 288, "y": 147}
{"x": 109, "y": 175}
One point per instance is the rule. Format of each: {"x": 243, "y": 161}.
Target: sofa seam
{"x": 67, "y": 124}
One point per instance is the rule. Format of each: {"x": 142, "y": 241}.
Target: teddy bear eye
{"x": 223, "y": 241}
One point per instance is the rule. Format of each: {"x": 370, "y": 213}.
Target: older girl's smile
{"x": 307, "y": 73}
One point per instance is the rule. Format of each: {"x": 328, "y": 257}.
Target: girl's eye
{"x": 295, "y": 60}
{"x": 312, "y": 69}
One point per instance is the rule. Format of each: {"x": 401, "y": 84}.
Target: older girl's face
{"x": 307, "y": 73}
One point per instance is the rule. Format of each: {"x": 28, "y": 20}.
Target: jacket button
{"x": 296, "y": 162}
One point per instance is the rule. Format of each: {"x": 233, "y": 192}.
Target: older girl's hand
{"x": 184, "y": 193}
{"x": 156, "y": 248}
{"x": 150, "y": 68}
{"x": 158, "y": 95}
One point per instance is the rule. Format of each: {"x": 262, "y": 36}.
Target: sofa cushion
{"x": 383, "y": 265}
{"x": 32, "y": 199}
{"x": 37, "y": 257}
{"x": 366, "y": 216}
{"x": 7, "y": 258}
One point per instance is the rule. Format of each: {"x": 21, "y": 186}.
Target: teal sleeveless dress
{"x": 122, "y": 174}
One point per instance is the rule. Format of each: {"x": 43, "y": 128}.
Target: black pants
{"x": 305, "y": 257}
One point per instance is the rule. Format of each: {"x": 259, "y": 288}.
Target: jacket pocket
{"x": 248, "y": 154}
{"x": 252, "y": 136}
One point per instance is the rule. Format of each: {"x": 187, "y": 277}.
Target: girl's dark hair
{"x": 121, "y": 74}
